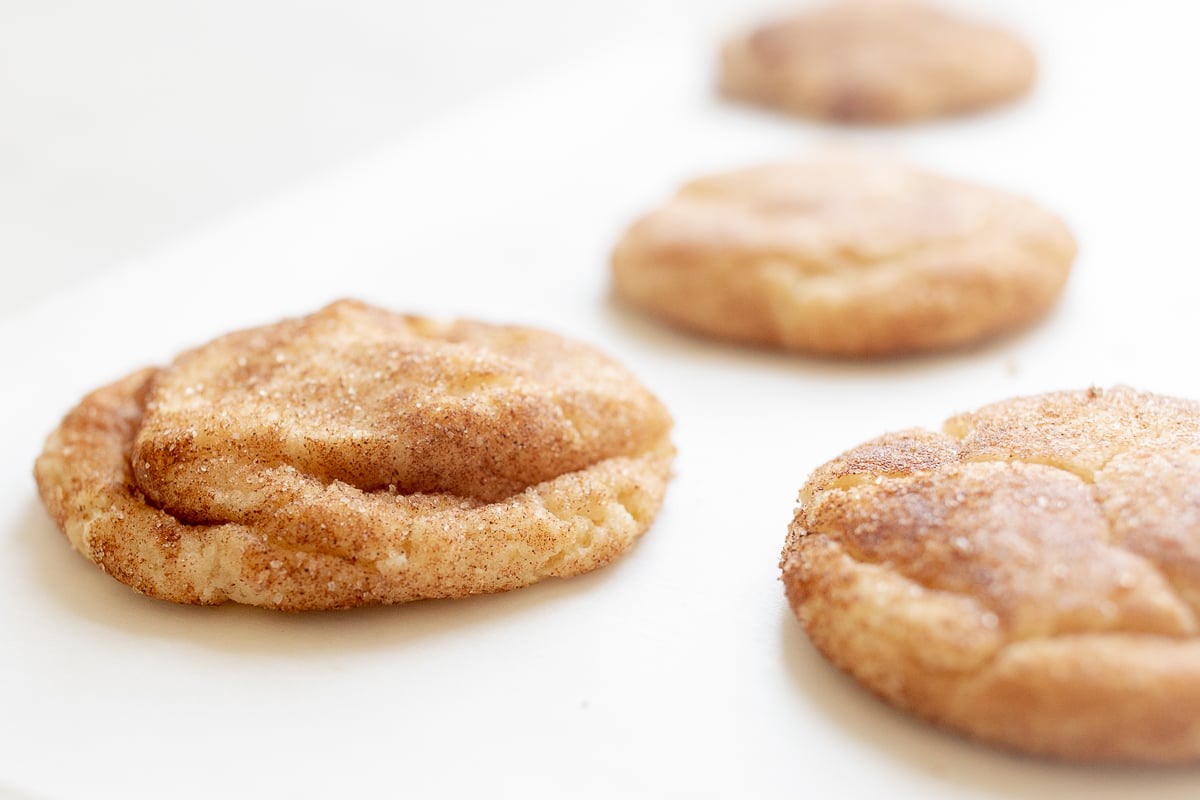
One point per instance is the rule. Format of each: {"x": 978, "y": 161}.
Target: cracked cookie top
{"x": 1030, "y": 576}
{"x": 844, "y": 255}
{"x": 357, "y": 455}
{"x": 877, "y": 62}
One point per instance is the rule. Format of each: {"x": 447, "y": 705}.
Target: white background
{"x": 124, "y": 123}
{"x": 677, "y": 671}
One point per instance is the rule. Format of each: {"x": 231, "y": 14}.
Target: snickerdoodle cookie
{"x": 875, "y": 61}
{"x": 846, "y": 256}
{"x": 359, "y": 456}
{"x": 1030, "y": 576}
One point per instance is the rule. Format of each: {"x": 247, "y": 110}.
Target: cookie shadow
{"x": 79, "y": 589}
{"x": 966, "y": 766}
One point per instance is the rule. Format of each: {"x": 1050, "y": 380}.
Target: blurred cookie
{"x": 1030, "y": 576}
{"x": 876, "y": 61}
{"x": 358, "y": 456}
{"x": 844, "y": 256}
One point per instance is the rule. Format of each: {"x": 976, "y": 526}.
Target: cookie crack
{"x": 844, "y": 261}
{"x": 1178, "y": 594}
{"x": 859, "y": 557}
{"x": 1008, "y": 639}
{"x": 1086, "y": 476}
{"x": 1094, "y": 480}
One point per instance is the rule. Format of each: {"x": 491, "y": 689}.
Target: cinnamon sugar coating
{"x": 357, "y": 456}
{"x": 876, "y": 61}
{"x": 844, "y": 256}
{"x": 1030, "y": 576}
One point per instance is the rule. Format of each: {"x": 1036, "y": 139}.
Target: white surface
{"x": 677, "y": 671}
{"x": 126, "y": 122}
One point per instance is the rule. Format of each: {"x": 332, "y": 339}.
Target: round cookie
{"x": 876, "y": 62}
{"x": 844, "y": 256}
{"x": 1030, "y": 576}
{"x": 358, "y": 456}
